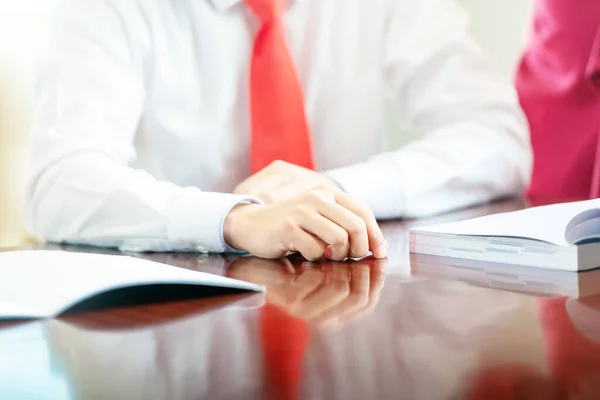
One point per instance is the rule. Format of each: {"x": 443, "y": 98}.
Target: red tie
{"x": 278, "y": 121}
{"x": 279, "y": 132}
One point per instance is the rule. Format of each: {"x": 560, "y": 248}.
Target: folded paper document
{"x": 42, "y": 284}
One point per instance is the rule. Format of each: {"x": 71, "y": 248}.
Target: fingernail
{"x": 381, "y": 251}
{"x": 327, "y": 253}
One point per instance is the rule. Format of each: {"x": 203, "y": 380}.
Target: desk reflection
{"x": 571, "y": 336}
{"x": 355, "y": 338}
{"x": 193, "y": 358}
{"x": 424, "y": 340}
{"x": 538, "y": 281}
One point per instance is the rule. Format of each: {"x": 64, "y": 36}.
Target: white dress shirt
{"x": 141, "y": 128}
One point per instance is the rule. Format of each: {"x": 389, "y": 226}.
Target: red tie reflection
{"x": 284, "y": 340}
{"x": 574, "y": 362}
{"x": 572, "y": 356}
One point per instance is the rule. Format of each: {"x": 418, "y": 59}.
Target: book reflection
{"x": 531, "y": 280}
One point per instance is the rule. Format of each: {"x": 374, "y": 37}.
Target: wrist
{"x": 234, "y": 226}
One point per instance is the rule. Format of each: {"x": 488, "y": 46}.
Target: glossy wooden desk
{"x": 401, "y": 328}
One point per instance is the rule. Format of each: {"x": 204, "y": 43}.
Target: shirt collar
{"x": 226, "y": 5}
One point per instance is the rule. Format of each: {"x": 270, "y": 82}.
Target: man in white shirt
{"x": 142, "y": 131}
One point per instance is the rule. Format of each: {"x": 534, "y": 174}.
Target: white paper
{"x": 13, "y": 310}
{"x": 45, "y": 283}
{"x": 546, "y": 223}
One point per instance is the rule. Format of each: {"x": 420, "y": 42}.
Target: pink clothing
{"x": 558, "y": 82}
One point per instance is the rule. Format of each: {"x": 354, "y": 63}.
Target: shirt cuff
{"x": 373, "y": 184}
{"x": 198, "y": 217}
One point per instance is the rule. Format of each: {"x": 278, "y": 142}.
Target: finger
{"x": 376, "y": 282}
{"x": 326, "y": 230}
{"x": 328, "y": 295}
{"x": 377, "y": 243}
{"x": 309, "y": 246}
{"x": 354, "y": 225}
{"x": 357, "y": 299}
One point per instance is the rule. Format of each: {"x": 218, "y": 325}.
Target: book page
{"x": 46, "y": 283}
{"x": 546, "y": 223}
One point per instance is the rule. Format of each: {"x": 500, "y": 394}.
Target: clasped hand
{"x": 304, "y": 212}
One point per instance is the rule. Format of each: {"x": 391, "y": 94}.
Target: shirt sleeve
{"x": 473, "y": 139}
{"x": 79, "y": 186}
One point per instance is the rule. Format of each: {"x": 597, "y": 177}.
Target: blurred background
{"x": 499, "y": 27}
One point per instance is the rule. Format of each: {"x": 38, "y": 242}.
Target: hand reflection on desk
{"x": 326, "y": 294}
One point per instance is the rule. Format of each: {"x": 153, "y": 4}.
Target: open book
{"x": 560, "y": 236}
{"x": 43, "y": 284}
